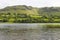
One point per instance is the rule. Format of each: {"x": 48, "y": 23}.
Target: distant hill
{"x": 29, "y": 10}
{"x": 54, "y": 11}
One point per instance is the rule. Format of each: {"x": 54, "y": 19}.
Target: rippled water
{"x": 36, "y": 34}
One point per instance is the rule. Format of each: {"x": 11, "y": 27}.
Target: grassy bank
{"x": 53, "y": 26}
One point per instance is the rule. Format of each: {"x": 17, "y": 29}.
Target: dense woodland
{"x": 28, "y": 14}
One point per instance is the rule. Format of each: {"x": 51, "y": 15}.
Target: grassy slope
{"x": 22, "y": 9}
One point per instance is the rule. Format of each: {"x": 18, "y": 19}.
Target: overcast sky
{"x": 35, "y": 3}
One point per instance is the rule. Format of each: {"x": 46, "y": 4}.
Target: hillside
{"x": 50, "y": 11}
{"x": 22, "y": 9}
{"x": 29, "y": 14}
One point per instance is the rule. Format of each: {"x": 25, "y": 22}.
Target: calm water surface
{"x": 39, "y": 33}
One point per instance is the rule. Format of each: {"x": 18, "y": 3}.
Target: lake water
{"x": 36, "y": 32}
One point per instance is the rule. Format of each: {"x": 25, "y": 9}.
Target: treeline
{"x": 25, "y": 18}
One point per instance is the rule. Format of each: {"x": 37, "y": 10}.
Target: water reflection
{"x": 40, "y": 33}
